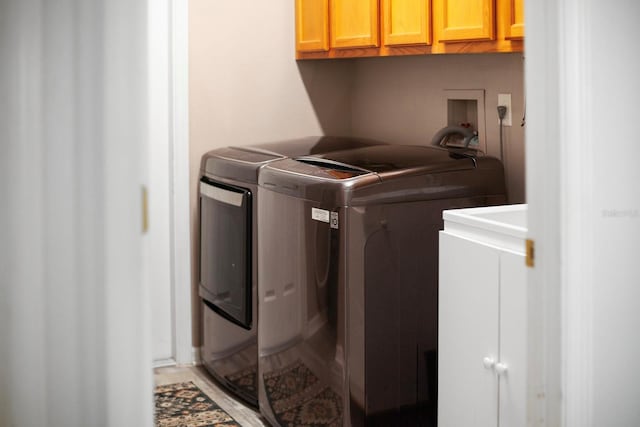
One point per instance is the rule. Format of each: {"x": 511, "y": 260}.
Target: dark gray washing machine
{"x": 348, "y": 256}
{"x": 228, "y": 251}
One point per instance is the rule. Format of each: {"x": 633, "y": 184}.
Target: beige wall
{"x": 246, "y": 87}
{"x": 403, "y": 100}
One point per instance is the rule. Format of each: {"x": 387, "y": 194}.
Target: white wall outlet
{"x": 505, "y": 99}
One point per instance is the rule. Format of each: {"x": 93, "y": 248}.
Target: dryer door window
{"x": 225, "y": 250}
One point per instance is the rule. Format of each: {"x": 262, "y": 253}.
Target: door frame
{"x": 543, "y": 74}
{"x": 563, "y": 209}
{"x": 185, "y": 352}
{"x": 171, "y": 92}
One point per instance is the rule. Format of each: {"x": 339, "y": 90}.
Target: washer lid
{"x": 242, "y": 163}
{"x": 390, "y": 160}
{"x": 312, "y": 145}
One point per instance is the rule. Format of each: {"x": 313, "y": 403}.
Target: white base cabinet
{"x": 482, "y": 318}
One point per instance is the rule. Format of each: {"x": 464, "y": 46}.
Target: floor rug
{"x": 298, "y": 398}
{"x": 185, "y": 405}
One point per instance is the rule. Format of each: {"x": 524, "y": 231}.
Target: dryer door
{"x": 225, "y": 250}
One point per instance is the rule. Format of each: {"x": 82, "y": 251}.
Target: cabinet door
{"x": 467, "y": 332}
{"x": 466, "y": 19}
{"x": 513, "y": 14}
{"x": 513, "y": 339}
{"x": 312, "y": 25}
{"x": 406, "y": 22}
{"x": 354, "y": 23}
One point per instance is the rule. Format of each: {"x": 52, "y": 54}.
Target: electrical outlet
{"x": 505, "y": 99}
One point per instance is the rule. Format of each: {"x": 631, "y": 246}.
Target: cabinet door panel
{"x": 467, "y": 19}
{"x": 513, "y": 14}
{"x": 312, "y": 25}
{"x": 513, "y": 339}
{"x": 406, "y": 22}
{"x": 354, "y": 23}
{"x": 467, "y": 332}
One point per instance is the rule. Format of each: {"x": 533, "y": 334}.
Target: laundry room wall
{"x": 403, "y": 100}
{"x": 246, "y": 87}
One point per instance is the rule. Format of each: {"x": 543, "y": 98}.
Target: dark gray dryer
{"x": 227, "y": 267}
{"x": 348, "y": 256}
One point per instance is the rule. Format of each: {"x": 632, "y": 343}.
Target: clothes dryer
{"x": 226, "y": 266}
{"x": 348, "y": 256}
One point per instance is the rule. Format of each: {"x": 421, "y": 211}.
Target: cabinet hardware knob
{"x": 488, "y": 362}
{"x": 501, "y": 368}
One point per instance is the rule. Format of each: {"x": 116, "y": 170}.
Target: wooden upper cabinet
{"x": 312, "y": 25}
{"x": 465, "y": 20}
{"x": 361, "y": 28}
{"x": 513, "y": 14}
{"x": 354, "y": 23}
{"x": 406, "y": 22}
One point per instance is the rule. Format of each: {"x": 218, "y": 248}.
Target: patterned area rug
{"x": 299, "y": 399}
{"x": 185, "y": 405}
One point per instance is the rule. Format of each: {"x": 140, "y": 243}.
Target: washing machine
{"x": 348, "y": 257}
{"x": 227, "y": 267}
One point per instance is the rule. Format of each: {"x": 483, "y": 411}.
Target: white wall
{"x": 402, "y": 100}
{"x": 246, "y": 87}
{"x": 613, "y": 209}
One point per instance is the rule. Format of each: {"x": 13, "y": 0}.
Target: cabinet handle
{"x": 488, "y": 362}
{"x": 501, "y": 368}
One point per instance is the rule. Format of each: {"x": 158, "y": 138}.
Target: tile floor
{"x": 244, "y": 415}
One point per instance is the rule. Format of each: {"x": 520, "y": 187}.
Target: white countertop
{"x": 502, "y": 226}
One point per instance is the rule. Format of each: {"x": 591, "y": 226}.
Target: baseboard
{"x": 163, "y": 363}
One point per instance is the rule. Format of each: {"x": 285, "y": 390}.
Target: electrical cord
{"x": 502, "y": 111}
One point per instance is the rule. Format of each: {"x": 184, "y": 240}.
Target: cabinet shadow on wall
{"x": 329, "y": 85}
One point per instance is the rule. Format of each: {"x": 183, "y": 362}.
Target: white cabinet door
{"x": 513, "y": 339}
{"x": 468, "y": 333}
